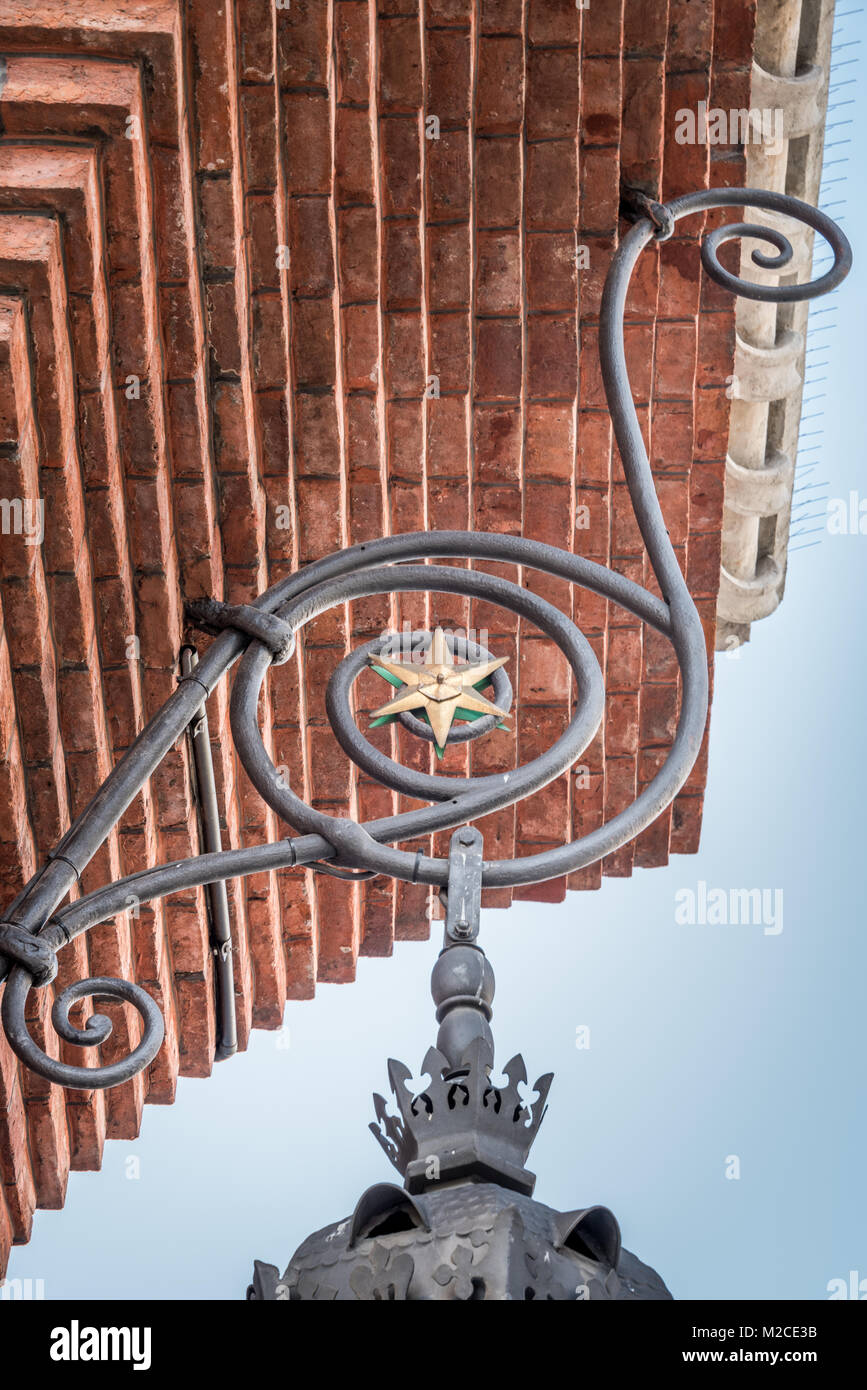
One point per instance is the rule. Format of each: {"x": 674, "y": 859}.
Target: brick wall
{"x": 231, "y": 261}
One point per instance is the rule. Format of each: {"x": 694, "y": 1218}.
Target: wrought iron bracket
{"x": 263, "y": 632}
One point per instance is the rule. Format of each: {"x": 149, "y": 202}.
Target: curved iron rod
{"x": 352, "y": 573}
{"x": 35, "y": 904}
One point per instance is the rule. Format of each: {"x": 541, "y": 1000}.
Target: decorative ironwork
{"x": 264, "y": 631}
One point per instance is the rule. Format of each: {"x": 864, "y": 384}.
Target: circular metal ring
{"x": 461, "y": 799}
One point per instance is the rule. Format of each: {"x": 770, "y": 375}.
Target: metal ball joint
{"x": 462, "y": 987}
{"x": 461, "y": 973}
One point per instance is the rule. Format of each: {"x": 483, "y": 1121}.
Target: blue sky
{"x": 707, "y": 1042}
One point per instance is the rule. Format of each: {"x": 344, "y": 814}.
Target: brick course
{"x": 255, "y": 305}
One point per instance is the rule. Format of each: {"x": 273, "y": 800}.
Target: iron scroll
{"x": 394, "y": 564}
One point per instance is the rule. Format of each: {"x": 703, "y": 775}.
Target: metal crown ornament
{"x": 462, "y": 1123}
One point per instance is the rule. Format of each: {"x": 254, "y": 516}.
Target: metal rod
{"x": 218, "y": 898}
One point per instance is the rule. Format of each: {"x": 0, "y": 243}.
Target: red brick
{"x": 311, "y": 265}
{"x": 448, "y": 176}
{"x": 255, "y": 36}
{"x": 449, "y": 263}
{"x": 458, "y": 12}
{"x": 361, "y": 346}
{"x": 400, "y": 146}
{"x": 352, "y": 31}
{"x": 402, "y": 264}
{"x": 498, "y": 182}
{"x": 218, "y": 223}
{"x": 353, "y": 163}
{"x": 684, "y": 165}
{"x": 703, "y": 564}
{"x": 498, "y": 359}
{"x": 552, "y": 270}
{"x": 447, "y": 437}
{"x": 405, "y": 429}
{"x": 259, "y": 132}
{"x": 499, "y": 107}
{"x": 600, "y": 193}
{"x": 497, "y": 443}
{"x": 601, "y": 101}
{"x": 690, "y": 34}
{"x": 552, "y": 93}
{"x": 550, "y": 441}
{"x": 307, "y": 142}
{"x": 551, "y": 194}
{"x": 449, "y": 55}
{"x": 302, "y": 44}
{"x": 269, "y": 346}
{"x": 552, "y": 356}
{"x": 733, "y": 34}
{"x": 553, "y": 21}
{"x": 358, "y": 254}
{"x": 602, "y": 28}
{"x": 317, "y": 435}
{"x": 449, "y": 354}
{"x": 400, "y": 69}
{"x": 501, "y": 16}
{"x": 404, "y": 349}
{"x": 645, "y": 29}
{"x": 674, "y": 365}
{"x": 498, "y": 273}
{"x": 707, "y": 486}
{"x": 641, "y": 142}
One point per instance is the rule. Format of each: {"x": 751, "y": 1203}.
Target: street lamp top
{"x": 465, "y": 1225}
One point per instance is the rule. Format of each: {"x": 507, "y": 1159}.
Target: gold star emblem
{"x": 438, "y": 687}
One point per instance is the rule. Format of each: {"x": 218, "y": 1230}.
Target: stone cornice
{"x": 790, "y": 74}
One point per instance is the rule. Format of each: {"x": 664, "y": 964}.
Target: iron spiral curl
{"x": 390, "y": 565}
{"x": 97, "y": 1030}
{"x": 786, "y": 206}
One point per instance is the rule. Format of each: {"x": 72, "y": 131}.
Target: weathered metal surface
{"x": 472, "y": 1242}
